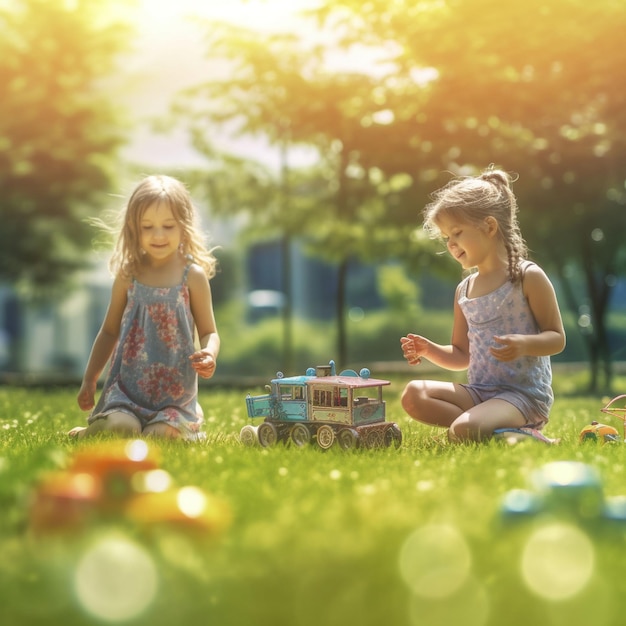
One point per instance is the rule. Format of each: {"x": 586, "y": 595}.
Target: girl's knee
{"x": 458, "y": 433}
{"x": 464, "y": 429}
{"x": 411, "y": 396}
{"x": 161, "y": 430}
{"x": 123, "y": 424}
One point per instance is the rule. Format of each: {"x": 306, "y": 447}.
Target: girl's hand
{"x": 86, "y": 396}
{"x": 203, "y": 363}
{"x": 510, "y": 347}
{"x": 414, "y": 347}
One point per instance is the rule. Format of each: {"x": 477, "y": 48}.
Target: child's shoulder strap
{"x": 525, "y": 265}
{"x": 464, "y": 286}
{"x": 186, "y": 271}
{"x": 524, "y": 268}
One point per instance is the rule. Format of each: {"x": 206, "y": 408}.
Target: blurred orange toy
{"x": 599, "y": 432}
{"x": 120, "y": 482}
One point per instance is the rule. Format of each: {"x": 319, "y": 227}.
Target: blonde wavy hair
{"x": 127, "y": 255}
{"x": 471, "y": 199}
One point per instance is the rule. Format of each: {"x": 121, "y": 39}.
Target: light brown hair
{"x": 127, "y": 255}
{"x": 472, "y": 199}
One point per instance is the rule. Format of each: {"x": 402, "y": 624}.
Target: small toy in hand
{"x": 599, "y": 433}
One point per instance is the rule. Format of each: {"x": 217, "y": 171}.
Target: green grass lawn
{"x": 371, "y": 537}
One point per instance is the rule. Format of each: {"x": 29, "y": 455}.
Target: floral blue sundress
{"x": 150, "y": 375}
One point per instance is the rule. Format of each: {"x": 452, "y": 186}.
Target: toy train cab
{"x": 322, "y": 407}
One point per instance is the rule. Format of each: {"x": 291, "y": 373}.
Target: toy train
{"x": 322, "y": 407}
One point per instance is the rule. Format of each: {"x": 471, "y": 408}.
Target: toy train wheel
{"x": 325, "y": 436}
{"x": 248, "y": 435}
{"x": 268, "y": 436}
{"x": 393, "y": 436}
{"x": 300, "y": 435}
{"x": 348, "y": 438}
{"x": 374, "y": 438}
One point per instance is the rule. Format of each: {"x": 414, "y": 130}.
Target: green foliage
{"x": 250, "y": 349}
{"x": 377, "y": 336}
{"x": 373, "y": 338}
{"x": 316, "y": 538}
{"x": 257, "y": 349}
{"x": 447, "y": 88}
{"x": 399, "y": 292}
{"x": 59, "y": 132}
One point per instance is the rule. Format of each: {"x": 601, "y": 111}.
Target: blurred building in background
{"x": 53, "y": 338}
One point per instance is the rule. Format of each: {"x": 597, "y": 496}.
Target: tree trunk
{"x": 598, "y": 290}
{"x": 287, "y": 312}
{"x": 594, "y": 335}
{"x": 342, "y": 332}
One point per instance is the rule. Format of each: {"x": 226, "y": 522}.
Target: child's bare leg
{"x": 119, "y": 423}
{"x": 480, "y": 421}
{"x": 435, "y": 402}
{"x": 161, "y": 429}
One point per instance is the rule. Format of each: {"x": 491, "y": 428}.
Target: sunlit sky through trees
{"x": 169, "y": 55}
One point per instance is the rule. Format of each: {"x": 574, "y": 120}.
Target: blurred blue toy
{"x": 565, "y": 489}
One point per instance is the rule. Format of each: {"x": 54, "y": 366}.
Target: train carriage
{"x": 322, "y": 407}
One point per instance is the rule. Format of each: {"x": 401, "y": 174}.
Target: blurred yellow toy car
{"x": 599, "y": 433}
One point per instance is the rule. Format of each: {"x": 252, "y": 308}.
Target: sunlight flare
{"x": 435, "y": 561}
{"x": 115, "y": 580}
{"x": 558, "y": 561}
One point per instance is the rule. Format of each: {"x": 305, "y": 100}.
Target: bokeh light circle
{"x": 468, "y": 606}
{"x": 137, "y": 450}
{"x": 153, "y": 481}
{"x": 191, "y": 501}
{"x": 115, "y": 579}
{"x": 558, "y": 561}
{"x": 435, "y": 561}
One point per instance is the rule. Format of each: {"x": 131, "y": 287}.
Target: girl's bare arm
{"x": 104, "y": 343}
{"x": 454, "y": 356}
{"x": 544, "y": 306}
{"x": 201, "y": 301}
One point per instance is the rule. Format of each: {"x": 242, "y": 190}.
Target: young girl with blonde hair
{"x": 160, "y": 307}
{"x": 506, "y": 321}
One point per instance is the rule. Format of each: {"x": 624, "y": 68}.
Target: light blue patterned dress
{"x": 525, "y": 382}
{"x": 150, "y": 375}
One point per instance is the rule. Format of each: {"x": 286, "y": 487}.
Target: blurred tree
{"x": 534, "y": 86}
{"x": 444, "y": 87}
{"x": 280, "y": 87}
{"x": 58, "y": 132}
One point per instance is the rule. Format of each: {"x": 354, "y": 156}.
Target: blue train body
{"x": 322, "y": 407}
